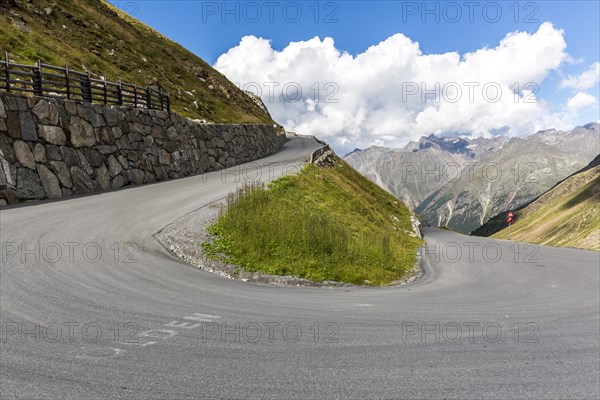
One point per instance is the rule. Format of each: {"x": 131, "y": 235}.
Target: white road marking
{"x": 161, "y": 334}
{"x": 99, "y": 352}
{"x": 185, "y": 325}
{"x": 201, "y": 317}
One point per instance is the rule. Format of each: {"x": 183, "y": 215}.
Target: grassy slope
{"x": 83, "y": 33}
{"x": 568, "y": 215}
{"x": 326, "y": 223}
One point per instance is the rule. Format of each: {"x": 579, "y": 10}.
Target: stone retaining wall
{"x": 53, "y": 148}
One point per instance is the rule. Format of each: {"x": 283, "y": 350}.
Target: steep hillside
{"x": 326, "y": 223}
{"x": 94, "y": 36}
{"x": 566, "y": 215}
{"x": 462, "y": 182}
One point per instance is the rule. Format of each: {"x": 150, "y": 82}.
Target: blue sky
{"x": 212, "y": 28}
{"x": 207, "y": 29}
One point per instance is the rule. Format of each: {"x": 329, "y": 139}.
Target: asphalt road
{"x": 92, "y": 307}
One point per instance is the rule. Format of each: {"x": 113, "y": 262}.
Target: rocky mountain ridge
{"x": 461, "y": 182}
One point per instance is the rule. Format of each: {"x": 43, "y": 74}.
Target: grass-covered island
{"x": 326, "y": 223}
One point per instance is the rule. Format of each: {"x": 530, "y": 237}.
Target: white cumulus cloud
{"x": 586, "y": 80}
{"x": 393, "y": 92}
{"x": 581, "y": 100}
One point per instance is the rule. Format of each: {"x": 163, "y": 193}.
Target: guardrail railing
{"x": 318, "y": 153}
{"x": 61, "y": 82}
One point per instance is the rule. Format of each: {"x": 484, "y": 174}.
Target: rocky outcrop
{"x": 52, "y": 148}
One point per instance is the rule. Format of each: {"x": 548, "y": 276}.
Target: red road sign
{"x": 510, "y": 217}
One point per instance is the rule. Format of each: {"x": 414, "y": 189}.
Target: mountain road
{"x": 93, "y": 307}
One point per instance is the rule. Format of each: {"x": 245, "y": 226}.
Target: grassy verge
{"x": 323, "y": 224}
{"x": 566, "y": 216}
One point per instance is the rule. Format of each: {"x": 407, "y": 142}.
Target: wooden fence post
{"x": 105, "y": 92}
{"x": 67, "y": 82}
{"x": 37, "y": 80}
{"x": 119, "y": 93}
{"x": 86, "y": 88}
{"x": 7, "y": 72}
{"x": 169, "y": 103}
{"x": 160, "y": 97}
{"x": 148, "y": 97}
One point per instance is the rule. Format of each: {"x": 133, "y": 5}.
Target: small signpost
{"x": 510, "y": 220}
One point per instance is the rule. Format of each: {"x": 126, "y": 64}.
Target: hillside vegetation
{"x": 94, "y": 36}
{"x": 324, "y": 224}
{"x": 567, "y": 215}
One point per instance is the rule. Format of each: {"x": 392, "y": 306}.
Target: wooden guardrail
{"x": 61, "y": 82}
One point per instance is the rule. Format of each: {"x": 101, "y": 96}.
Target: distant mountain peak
{"x": 451, "y": 144}
{"x": 546, "y": 131}
{"x": 356, "y": 150}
